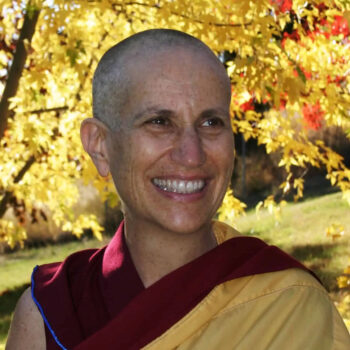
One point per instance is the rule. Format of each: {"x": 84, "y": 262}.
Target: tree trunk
{"x": 19, "y": 59}
{"x": 243, "y": 183}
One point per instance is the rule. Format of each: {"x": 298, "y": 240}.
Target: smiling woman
{"x": 165, "y": 134}
{"x": 171, "y": 278}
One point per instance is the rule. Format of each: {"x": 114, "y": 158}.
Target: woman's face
{"x": 172, "y": 157}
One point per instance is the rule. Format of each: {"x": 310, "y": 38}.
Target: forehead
{"x": 175, "y": 77}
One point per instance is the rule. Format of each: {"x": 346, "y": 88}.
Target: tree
{"x": 292, "y": 57}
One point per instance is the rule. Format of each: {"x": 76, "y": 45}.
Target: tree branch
{"x": 19, "y": 59}
{"x": 8, "y": 194}
{"x": 45, "y": 110}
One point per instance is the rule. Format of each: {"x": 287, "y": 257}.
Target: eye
{"x": 158, "y": 121}
{"x": 213, "y": 122}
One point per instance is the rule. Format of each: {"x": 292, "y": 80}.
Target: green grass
{"x": 301, "y": 232}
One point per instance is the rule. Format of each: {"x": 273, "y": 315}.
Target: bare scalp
{"x": 112, "y": 78}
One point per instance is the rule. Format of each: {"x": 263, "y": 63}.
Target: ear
{"x": 93, "y": 134}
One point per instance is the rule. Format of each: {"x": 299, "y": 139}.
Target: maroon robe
{"x": 95, "y": 298}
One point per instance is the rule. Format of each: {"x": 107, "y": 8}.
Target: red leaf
{"x": 313, "y": 116}
{"x": 248, "y": 106}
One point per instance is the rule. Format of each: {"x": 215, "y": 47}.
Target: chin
{"x": 186, "y": 226}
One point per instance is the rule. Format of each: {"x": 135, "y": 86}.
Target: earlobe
{"x": 93, "y": 134}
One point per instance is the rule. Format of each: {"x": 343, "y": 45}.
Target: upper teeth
{"x": 179, "y": 186}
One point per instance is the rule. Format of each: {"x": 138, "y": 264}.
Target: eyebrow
{"x": 153, "y": 110}
{"x": 214, "y": 111}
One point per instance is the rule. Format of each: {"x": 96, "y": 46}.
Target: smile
{"x": 179, "y": 186}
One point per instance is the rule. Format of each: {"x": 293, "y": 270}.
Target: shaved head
{"x": 112, "y": 78}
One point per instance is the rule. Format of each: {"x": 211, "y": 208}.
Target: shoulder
{"x": 315, "y": 312}
{"x": 279, "y": 291}
{"x": 292, "y": 277}
{"x": 27, "y": 328}
{"x": 289, "y": 283}
{"x": 294, "y": 304}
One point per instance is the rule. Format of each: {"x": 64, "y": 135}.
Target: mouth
{"x": 179, "y": 186}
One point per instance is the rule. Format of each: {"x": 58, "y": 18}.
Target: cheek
{"x": 149, "y": 148}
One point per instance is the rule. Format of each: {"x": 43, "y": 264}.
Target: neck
{"x": 156, "y": 252}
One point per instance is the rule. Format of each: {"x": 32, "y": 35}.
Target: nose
{"x": 188, "y": 149}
